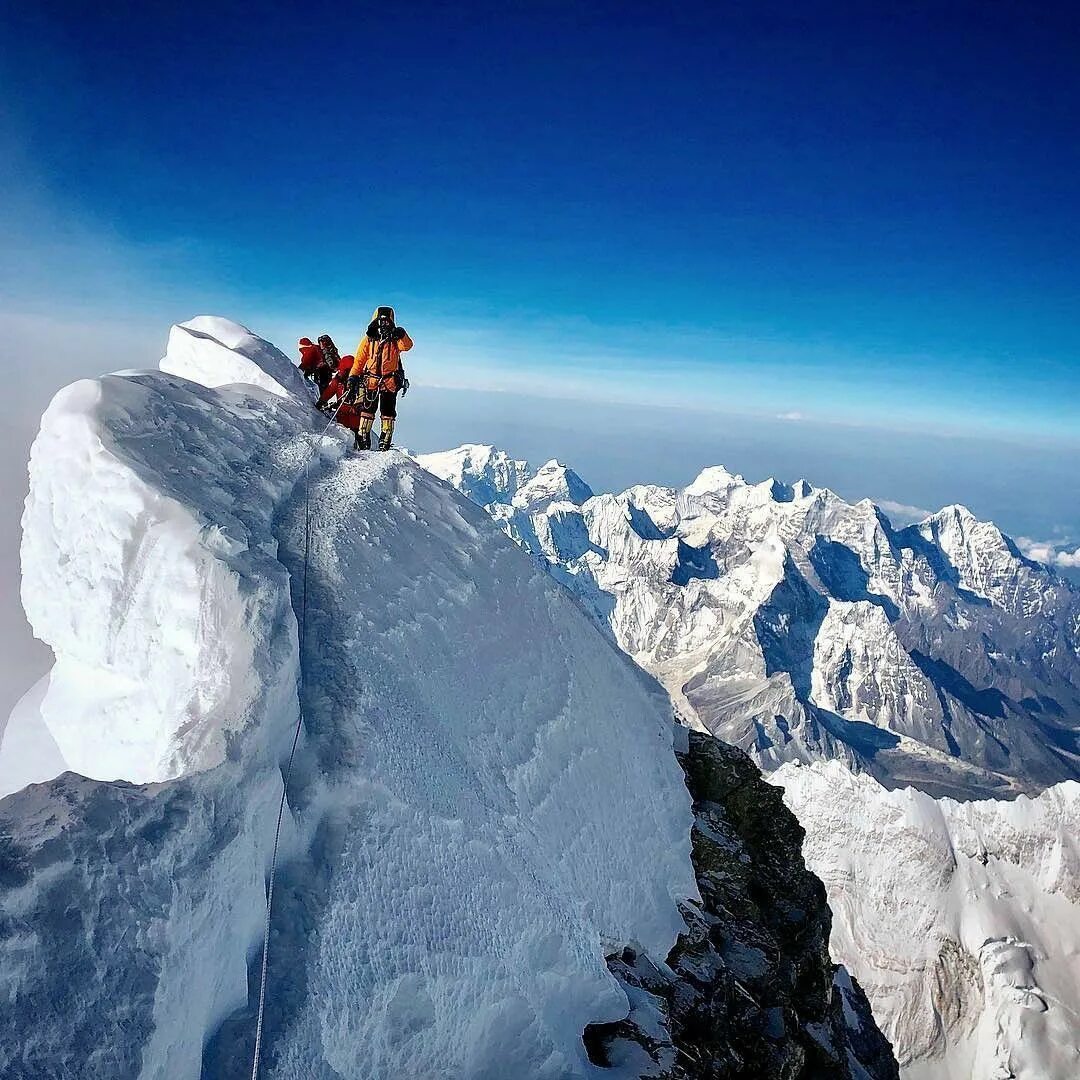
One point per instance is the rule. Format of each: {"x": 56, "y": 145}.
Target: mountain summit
{"x": 490, "y": 850}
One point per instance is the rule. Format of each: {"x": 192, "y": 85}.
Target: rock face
{"x": 800, "y": 627}
{"x": 749, "y": 989}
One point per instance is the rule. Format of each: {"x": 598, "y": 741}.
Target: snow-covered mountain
{"x": 848, "y": 654}
{"x": 960, "y": 920}
{"x": 488, "y": 836}
{"x": 802, "y": 627}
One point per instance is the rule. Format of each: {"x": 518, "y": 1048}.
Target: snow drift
{"x": 485, "y": 801}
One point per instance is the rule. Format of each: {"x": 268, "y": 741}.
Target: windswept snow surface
{"x": 216, "y": 352}
{"x": 961, "y": 921}
{"x": 485, "y": 800}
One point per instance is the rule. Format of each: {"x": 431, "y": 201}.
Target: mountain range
{"x": 915, "y": 690}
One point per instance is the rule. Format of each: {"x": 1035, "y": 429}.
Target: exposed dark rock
{"x": 749, "y": 989}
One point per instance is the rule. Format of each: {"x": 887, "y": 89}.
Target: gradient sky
{"x": 843, "y": 213}
{"x": 839, "y": 241}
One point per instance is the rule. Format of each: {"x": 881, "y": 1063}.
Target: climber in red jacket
{"x": 311, "y": 357}
{"x": 335, "y": 388}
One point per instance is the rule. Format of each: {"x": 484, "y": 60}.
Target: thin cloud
{"x": 902, "y": 513}
{"x": 794, "y": 415}
{"x": 1049, "y": 552}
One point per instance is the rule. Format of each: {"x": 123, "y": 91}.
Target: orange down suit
{"x": 379, "y": 362}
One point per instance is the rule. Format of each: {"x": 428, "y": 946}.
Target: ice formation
{"x": 485, "y": 801}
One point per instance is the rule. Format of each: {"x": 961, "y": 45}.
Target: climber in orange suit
{"x": 378, "y": 376}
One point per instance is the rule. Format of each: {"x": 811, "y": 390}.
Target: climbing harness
{"x": 372, "y": 396}
{"x": 302, "y": 637}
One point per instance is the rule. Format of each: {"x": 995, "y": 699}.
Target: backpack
{"x": 329, "y": 351}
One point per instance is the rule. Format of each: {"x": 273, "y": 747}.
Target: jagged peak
{"x": 957, "y": 520}
{"x": 955, "y": 512}
{"x": 484, "y": 472}
{"x": 717, "y": 479}
{"x": 643, "y": 492}
{"x": 776, "y": 490}
{"x": 553, "y": 482}
{"x": 475, "y": 456}
{"x": 868, "y": 509}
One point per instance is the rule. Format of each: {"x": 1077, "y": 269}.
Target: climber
{"x": 313, "y": 362}
{"x": 311, "y": 357}
{"x": 330, "y": 358}
{"x": 377, "y": 376}
{"x": 345, "y": 369}
{"x": 335, "y": 388}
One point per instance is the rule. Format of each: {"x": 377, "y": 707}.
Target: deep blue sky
{"x": 862, "y": 216}
{"x": 848, "y": 212}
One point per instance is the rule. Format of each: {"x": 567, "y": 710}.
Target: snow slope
{"x": 485, "y": 800}
{"x": 28, "y": 752}
{"x": 961, "y": 921}
{"x": 801, "y": 627}
{"x": 806, "y": 629}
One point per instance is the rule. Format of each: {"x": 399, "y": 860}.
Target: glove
{"x": 399, "y": 333}
{"x": 353, "y": 390}
{"x": 404, "y": 387}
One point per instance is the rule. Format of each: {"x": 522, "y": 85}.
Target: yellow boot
{"x": 385, "y": 439}
{"x": 363, "y": 436}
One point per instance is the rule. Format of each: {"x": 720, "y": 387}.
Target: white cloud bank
{"x": 1051, "y": 552}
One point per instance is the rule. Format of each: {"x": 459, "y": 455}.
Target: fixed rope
{"x": 301, "y": 638}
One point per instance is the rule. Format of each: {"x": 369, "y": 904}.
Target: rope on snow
{"x": 301, "y": 638}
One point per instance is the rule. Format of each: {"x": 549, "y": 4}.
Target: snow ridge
{"x": 486, "y": 799}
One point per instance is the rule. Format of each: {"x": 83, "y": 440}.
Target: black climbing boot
{"x": 362, "y": 440}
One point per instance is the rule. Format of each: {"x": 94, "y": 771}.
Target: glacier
{"x": 961, "y": 921}
{"x": 909, "y": 687}
{"x": 485, "y": 805}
